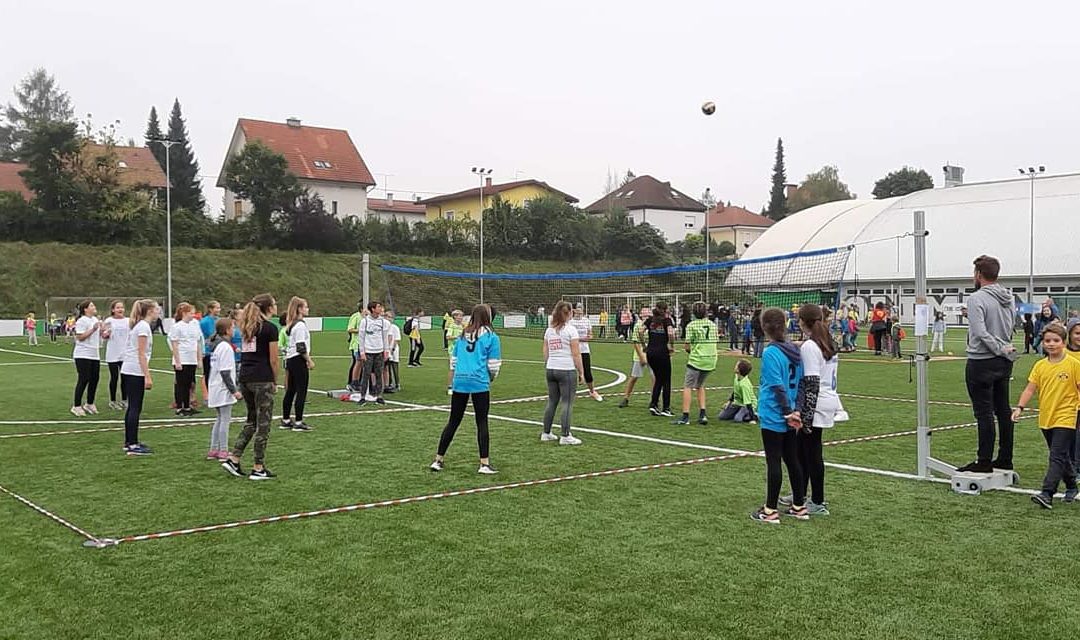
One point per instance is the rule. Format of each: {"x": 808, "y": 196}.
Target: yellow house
{"x": 736, "y": 225}
{"x": 466, "y": 204}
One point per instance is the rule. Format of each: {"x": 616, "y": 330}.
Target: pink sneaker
{"x": 213, "y": 454}
{"x": 223, "y": 455}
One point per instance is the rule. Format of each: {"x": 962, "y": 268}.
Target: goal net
{"x": 63, "y": 306}
{"x": 522, "y": 301}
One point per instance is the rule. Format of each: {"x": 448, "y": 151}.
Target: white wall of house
{"x": 745, "y": 236}
{"x": 673, "y": 225}
{"x": 351, "y": 199}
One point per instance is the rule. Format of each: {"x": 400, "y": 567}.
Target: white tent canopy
{"x": 964, "y": 221}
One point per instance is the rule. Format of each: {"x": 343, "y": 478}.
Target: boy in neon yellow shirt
{"x": 701, "y": 345}
{"x": 454, "y": 329}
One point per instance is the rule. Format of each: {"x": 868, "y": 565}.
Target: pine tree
{"x": 38, "y": 99}
{"x": 186, "y": 185}
{"x": 777, "y": 196}
{"x": 153, "y": 132}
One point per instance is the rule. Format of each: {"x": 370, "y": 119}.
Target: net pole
{"x": 365, "y": 279}
{"x": 922, "y": 320}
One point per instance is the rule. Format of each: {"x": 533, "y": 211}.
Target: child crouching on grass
{"x": 742, "y": 405}
{"x": 221, "y": 392}
{"x": 781, "y": 370}
{"x": 1056, "y": 378}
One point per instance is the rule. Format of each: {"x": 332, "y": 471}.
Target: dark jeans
{"x": 89, "y": 373}
{"x": 759, "y": 347}
{"x": 185, "y": 380}
{"x": 352, "y": 365}
{"x": 812, "y": 463}
{"x": 1060, "y": 441}
{"x": 416, "y": 349}
{"x": 296, "y": 385}
{"x": 782, "y": 447}
{"x": 134, "y": 387}
{"x": 458, "y": 403}
{"x": 114, "y": 382}
{"x": 879, "y": 340}
{"x": 661, "y": 388}
{"x": 988, "y": 387}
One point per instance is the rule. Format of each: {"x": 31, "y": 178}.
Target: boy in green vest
{"x": 701, "y": 345}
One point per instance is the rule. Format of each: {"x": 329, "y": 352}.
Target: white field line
{"x": 26, "y": 364}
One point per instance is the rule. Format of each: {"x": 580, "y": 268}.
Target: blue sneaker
{"x": 139, "y": 449}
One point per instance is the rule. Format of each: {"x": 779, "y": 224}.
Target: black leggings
{"x": 89, "y": 372}
{"x": 416, "y": 349}
{"x": 782, "y": 447}
{"x": 114, "y": 381}
{"x": 458, "y": 403}
{"x": 296, "y": 384}
{"x": 185, "y": 380}
{"x": 812, "y": 463}
{"x": 586, "y": 364}
{"x": 135, "y": 388}
{"x": 661, "y": 368}
{"x": 879, "y": 340}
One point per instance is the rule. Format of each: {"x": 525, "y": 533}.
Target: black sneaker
{"x": 654, "y": 410}
{"x": 361, "y": 402}
{"x": 301, "y": 426}
{"x": 623, "y": 403}
{"x": 286, "y": 425}
{"x": 1043, "y": 500}
{"x": 261, "y": 474}
{"x": 233, "y": 468}
{"x": 1070, "y": 495}
{"x": 1002, "y": 464}
{"x": 436, "y": 466}
{"x": 380, "y": 400}
{"x": 979, "y": 466}
{"x": 703, "y": 419}
{"x": 390, "y": 390}
{"x": 666, "y": 413}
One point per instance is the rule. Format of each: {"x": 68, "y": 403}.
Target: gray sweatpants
{"x": 561, "y": 386}
{"x": 371, "y": 375}
{"x": 219, "y": 434}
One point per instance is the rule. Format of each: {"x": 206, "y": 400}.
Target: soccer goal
{"x": 63, "y": 306}
{"x": 523, "y": 301}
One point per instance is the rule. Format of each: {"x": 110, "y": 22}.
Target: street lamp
{"x": 1031, "y": 173}
{"x": 168, "y": 144}
{"x": 483, "y": 174}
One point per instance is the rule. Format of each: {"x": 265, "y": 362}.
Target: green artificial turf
{"x": 660, "y": 553}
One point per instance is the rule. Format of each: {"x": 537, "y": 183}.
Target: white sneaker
{"x": 487, "y": 470}
{"x": 113, "y": 405}
{"x": 548, "y": 437}
{"x": 91, "y": 409}
{"x": 78, "y": 411}
{"x": 570, "y": 439}
{"x": 596, "y": 396}
{"x": 123, "y": 404}
{"x": 449, "y": 391}
{"x": 370, "y": 398}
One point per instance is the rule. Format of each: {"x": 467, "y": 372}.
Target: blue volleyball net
{"x": 523, "y": 301}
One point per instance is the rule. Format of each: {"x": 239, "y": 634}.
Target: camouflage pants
{"x": 259, "y": 397}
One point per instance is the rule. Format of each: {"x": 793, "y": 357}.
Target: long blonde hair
{"x": 560, "y": 315}
{"x": 140, "y": 310}
{"x": 255, "y": 313}
{"x": 292, "y": 314}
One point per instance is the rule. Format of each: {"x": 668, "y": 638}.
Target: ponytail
{"x": 811, "y": 316}
{"x": 255, "y": 313}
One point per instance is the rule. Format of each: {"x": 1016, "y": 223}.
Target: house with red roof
{"x": 324, "y": 160}
{"x": 739, "y": 226}
{"x": 648, "y": 200}
{"x": 11, "y": 181}
{"x": 136, "y": 168}
{"x": 390, "y": 208}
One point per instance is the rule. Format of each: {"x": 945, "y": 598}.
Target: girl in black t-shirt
{"x": 660, "y": 336}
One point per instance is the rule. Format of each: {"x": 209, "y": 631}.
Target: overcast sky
{"x": 564, "y": 91}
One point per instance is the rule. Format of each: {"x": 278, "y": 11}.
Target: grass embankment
{"x": 32, "y": 273}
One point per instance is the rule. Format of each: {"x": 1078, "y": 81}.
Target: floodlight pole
{"x": 922, "y": 322}
{"x": 1031, "y": 173}
{"x": 708, "y": 241}
{"x": 168, "y": 144}
{"x": 483, "y": 174}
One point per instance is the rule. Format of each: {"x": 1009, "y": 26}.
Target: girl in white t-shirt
{"x": 221, "y": 389}
{"x": 817, "y": 401}
{"x": 298, "y": 364}
{"x": 135, "y": 372}
{"x": 564, "y": 371}
{"x": 87, "y": 356}
{"x": 115, "y": 332}
{"x": 583, "y": 325}
{"x": 185, "y": 340}
{"x": 392, "y": 377}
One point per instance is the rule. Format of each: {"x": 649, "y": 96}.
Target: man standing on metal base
{"x": 990, "y": 357}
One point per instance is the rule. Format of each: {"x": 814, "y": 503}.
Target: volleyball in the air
{"x": 708, "y": 108}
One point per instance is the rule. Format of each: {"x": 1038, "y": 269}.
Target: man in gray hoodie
{"x": 990, "y": 357}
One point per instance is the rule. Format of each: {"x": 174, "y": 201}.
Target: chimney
{"x": 487, "y": 181}
{"x": 954, "y": 176}
{"x": 389, "y": 199}
{"x": 293, "y": 122}
{"x": 416, "y": 198}
{"x": 790, "y": 189}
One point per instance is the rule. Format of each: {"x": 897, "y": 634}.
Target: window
{"x": 122, "y": 164}
{"x": 628, "y": 193}
{"x": 449, "y": 215}
{"x": 238, "y": 208}
{"x": 689, "y": 222}
{"x": 322, "y": 164}
{"x": 333, "y": 207}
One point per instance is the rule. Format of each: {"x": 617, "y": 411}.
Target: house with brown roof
{"x": 467, "y": 203}
{"x": 324, "y": 160}
{"x": 648, "y": 200}
{"x": 390, "y": 208}
{"x": 739, "y": 226}
{"x": 136, "y": 168}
